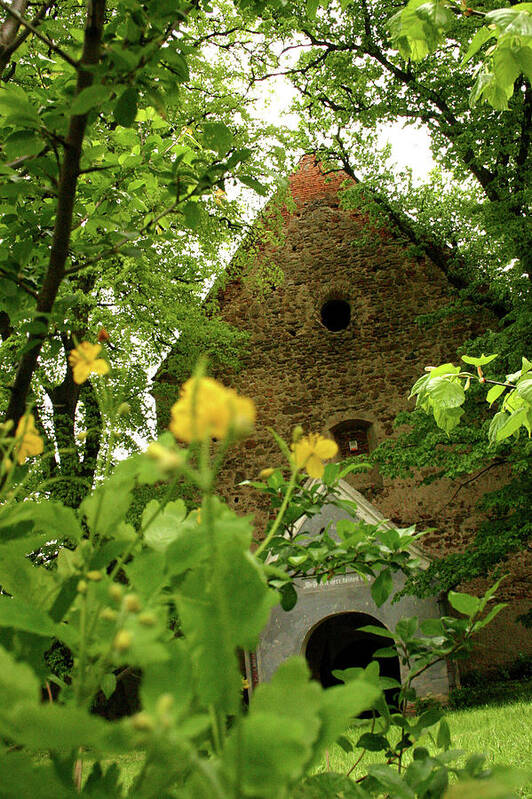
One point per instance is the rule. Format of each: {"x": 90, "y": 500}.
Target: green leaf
{"x": 311, "y": 8}
{"x": 88, "y": 98}
{"x": 223, "y": 607}
{"x": 444, "y": 735}
{"x": 63, "y": 728}
{"x": 431, "y": 627}
{"x": 247, "y": 180}
{"x": 374, "y": 630}
{"x": 446, "y": 369}
{"x": 445, "y": 393}
{"x": 18, "y": 681}
{"x": 516, "y": 21}
{"x": 419, "y": 385}
{"x": 464, "y": 603}
{"x": 406, "y": 627}
{"x": 25, "y": 616}
{"x": 328, "y": 786}
{"x": 125, "y": 109}
{"x": 524, "y": 389}
{"x": 480, "y": 38}
{"x": 382, "y": 587}
{"x": 448, "y": 418}
{"x": 288, "y": 596}
{"x": 178, "y": 63}
{"x": 512, "y": 423}
{"x": 146, "y": 573}
{"x": 494, "y": 393}
{"x": 495, "y": 610}
{"x": 49, "y": 517}
{"x": 192, "y": 213}
{"x": 482, "y": 360}
{"x": 107, "y": 506}
{"x": 344, "y": 743}
{"x": 428, "y": 719}
{"x": 373, "y": 742}
{"x": 172, "y": 677}
{"x": 392, "y": 781}
{"x": 271, "y": 755}
{"x": 498, "y": 422}
{"x": 22, "y": 143}
{"x": 37, "y": 776}
{"x": 15, "y": 106}
{"x": 165, "y": 527}
{"x": 108, "y": 684}
{"x": 217, "y": 136}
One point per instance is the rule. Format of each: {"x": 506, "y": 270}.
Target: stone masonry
{"x": 299, "y": 372}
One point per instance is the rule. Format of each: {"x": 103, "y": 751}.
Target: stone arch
{"x": 287, "y": 633}
{"x": 354, "y": 436}
{"x": 336, "y": 642}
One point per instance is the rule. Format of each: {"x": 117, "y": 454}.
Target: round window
{"x": 336, "y": 315}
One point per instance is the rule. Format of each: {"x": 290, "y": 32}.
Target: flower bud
{"x": 94, "y": 575}
{"x": 147, "y": 619}
{"x": 166, "y": 458}
{"x": 123, "y": 640}
{"x": 82, "y": 436}
{"x": 142, "y": 722}
{"x": 265, "y": 473}
{"x": 124, "y": 409}
{"x": 7, "y": 465}
{"x": 82, "y": 587}
{"x": 164, "y": 704}
{"x": 132, "y": 603}
{"x": 108, "y": 614}
{"x": 115, "y": 592}
{"x": 297, "y": 434}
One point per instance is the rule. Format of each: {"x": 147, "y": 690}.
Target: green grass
{"x": 502, "y": 733}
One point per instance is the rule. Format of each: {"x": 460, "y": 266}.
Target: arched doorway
{"x": 338, "y": 643}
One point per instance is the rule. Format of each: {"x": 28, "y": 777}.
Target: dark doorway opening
{"x": 336, "y": 315}
{"x": 337, "y": 643}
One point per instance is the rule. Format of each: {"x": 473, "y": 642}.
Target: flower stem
{"x": 281, "y": 512}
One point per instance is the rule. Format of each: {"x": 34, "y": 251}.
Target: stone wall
{"x": 299, "y": 372}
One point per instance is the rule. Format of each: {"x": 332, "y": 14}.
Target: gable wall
{"x": 298, "y": 372}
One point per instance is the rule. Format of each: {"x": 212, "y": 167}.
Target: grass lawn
{"x": 503, "y": 733}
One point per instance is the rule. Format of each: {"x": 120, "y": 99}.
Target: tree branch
{"x": 440, "y": 254}
{"x": 30, "y": 27}
{"x": 497, "y": 462}
{"x": 63, "y": 221}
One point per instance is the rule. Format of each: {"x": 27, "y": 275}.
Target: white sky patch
{"x": 410, "y": 148}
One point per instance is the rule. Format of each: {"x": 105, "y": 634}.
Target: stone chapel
{"x": 335, "y": 348}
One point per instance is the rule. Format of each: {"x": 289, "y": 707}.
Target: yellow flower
{"x": 83, "y": 360}
{"x": 206, "y": 408}
{"x": 27, "y": 440}
{"x": 265, "y": 473}
{"x": 310, "y": 452}
{"x": 219, "y": 195}
{"x": 166, "y": 458}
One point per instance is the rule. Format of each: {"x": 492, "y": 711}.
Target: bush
{"x": 492, "y": 693}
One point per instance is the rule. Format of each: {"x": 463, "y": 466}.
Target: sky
{"x": 410, "y": 145}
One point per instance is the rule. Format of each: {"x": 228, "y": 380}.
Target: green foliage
{"x": 112, "y": 599}
{"x": 115, "y": 160}
{"x": 355, "y": 546}
{"x": 165, "y": 133}
{"x": 421, "y": 26}
{"x": 441, "y": 393}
